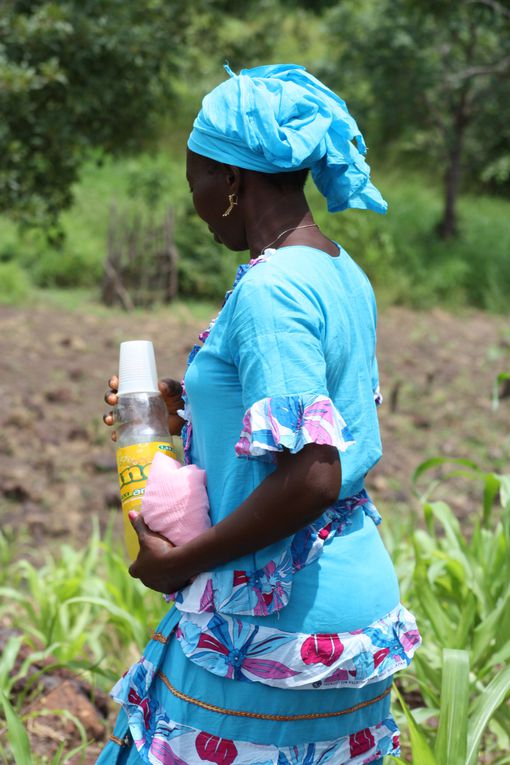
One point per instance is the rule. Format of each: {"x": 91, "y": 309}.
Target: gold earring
{"x": 232, "y": 202}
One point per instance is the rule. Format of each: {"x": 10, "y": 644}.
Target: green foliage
{"x": 502, "y": 379}
{"x": 81, "y": 606}
{"x": 405, "y": 262}
{"x": 415, "y": 62}
{"x": 86, "y": 80}
{"x": 97, "y": 76}
{"x": 83, "y": 610}
{"x": 459, "y": 593}
{"x": 74, "y": 77}
{"x": 16, "y": 285}
{"x": 408, "y": 264}
{"x": 433, "y": 78}
{"x": 17, "y": 735}
{"x": 461, "y": 724}
{"x": 19, "y": 742}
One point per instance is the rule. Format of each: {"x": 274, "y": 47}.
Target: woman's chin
{"x": 236, "y": 244}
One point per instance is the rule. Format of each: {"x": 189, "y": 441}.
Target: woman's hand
{"x": 158, "y": 565}
{"x": 288, "y": 499}
{"x": 171, "y": 392}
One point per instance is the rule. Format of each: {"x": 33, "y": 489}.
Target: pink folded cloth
{"x": 175, "y": 502}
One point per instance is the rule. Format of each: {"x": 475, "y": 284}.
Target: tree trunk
{"x": 448, "y": 227}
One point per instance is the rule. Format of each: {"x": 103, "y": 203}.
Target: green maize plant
{"x": 82, "y": 607}
{"x": 460, "y": 593}
{"x": 80, "y": 610}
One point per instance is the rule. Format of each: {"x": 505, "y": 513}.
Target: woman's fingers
{"x": 111, "y": 395}
{"x": 171, "y": 392}
{"x": 111, "y": 399}
{"x": 109, "y": 420}
{"x": 170, "y": 388}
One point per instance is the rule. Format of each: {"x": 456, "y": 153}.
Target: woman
{"x": 288, "y": 626}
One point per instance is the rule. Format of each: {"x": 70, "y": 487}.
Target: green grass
{"x": 455, "y": 580}
{"x": 79, "y": 262}
{"x": 16, "y": 285}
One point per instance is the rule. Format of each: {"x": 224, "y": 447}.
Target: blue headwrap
{"x": 281, "y": 118}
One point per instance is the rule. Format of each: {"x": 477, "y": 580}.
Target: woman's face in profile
{"x": 209, "y": 184}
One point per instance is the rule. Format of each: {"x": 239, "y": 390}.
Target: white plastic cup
{"x": 137, "y": 368}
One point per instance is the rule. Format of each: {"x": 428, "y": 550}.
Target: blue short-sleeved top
{"x": 301, "y": 324}
{"x": 289, "y": 360}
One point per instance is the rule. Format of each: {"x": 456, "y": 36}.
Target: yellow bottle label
{"x": 133, "y": 465}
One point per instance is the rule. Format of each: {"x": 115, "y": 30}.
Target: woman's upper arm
{"x": 315, "y": 471}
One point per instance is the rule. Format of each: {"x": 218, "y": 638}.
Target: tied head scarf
{"x": 280, "y": 118}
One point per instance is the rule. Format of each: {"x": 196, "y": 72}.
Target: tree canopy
{"x": 434, "y": 75}
{"x": 75, "y": 76}
{"x": 82, "y": 77}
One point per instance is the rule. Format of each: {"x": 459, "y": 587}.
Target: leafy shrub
{"x": 16, "y": 285}
{"x": 407, "y": 263}
{"x": 83, "y": 610}
{"x": 56, "y": 267}
{"x": 206, "y": 269}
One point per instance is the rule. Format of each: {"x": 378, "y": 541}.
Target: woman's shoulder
{"x": 306, "y": 270}
{"x": 288, "y": 274}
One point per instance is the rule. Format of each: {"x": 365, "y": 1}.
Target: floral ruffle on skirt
{"x": 145, "y": 724}
{"x": 237, "y": 650}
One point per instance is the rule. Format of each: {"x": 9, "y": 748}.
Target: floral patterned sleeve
{"x": 291, "y": 422}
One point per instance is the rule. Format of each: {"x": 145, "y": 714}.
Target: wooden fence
{"x": 141, "y": 264}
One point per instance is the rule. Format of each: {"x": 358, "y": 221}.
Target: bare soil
{"x": 57, "y": 464}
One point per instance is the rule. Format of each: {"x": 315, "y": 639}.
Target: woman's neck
{"x": 276, "y": 220}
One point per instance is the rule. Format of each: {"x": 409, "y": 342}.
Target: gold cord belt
{"x": 119, "y": 741}
{"x": 279, "y": 718}
{"x": 159, "y": 637}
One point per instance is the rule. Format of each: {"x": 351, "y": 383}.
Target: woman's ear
{"x": 232, "y": 178}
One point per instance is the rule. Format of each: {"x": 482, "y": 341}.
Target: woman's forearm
{"x": 300, "y": 489}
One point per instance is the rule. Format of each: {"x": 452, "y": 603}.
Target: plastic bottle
{"x": 142, "y": 428}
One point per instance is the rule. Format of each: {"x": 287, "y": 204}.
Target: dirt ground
{"x": 57, "y": 464}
